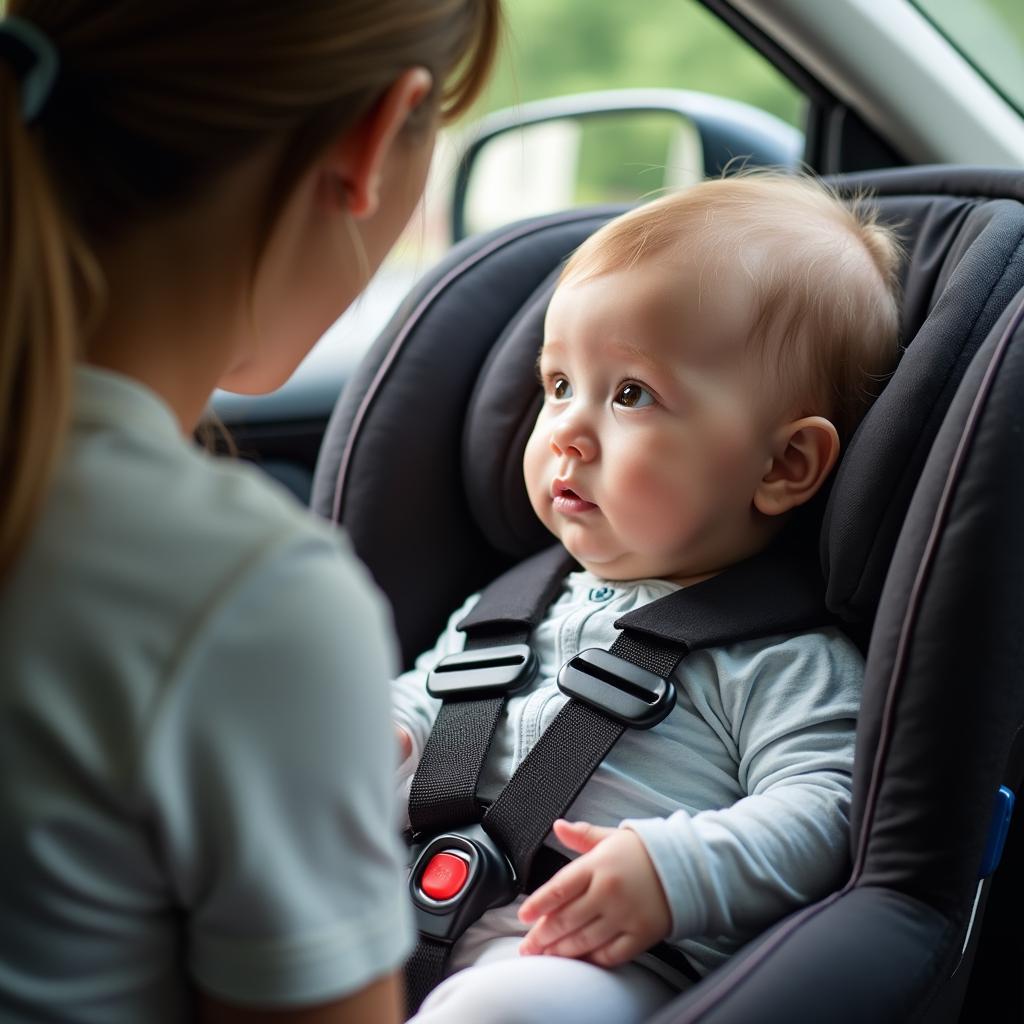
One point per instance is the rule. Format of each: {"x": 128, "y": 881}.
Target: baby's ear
{"x": 803, "y": 454}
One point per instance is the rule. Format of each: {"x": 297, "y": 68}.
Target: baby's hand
{"x": 404, "y": 742}
{"x": 607, "y": 906}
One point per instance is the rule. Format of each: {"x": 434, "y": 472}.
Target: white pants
{"x": 488, "y": 982}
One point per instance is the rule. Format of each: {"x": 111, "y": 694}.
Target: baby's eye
{"x": 561, "y": 388}
{"x": 633, "y": 396}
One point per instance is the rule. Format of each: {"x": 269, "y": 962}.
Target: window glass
{"x": 566, "y": 46}
{"x": 990, "y": 34}
{"x": 556, "y": 47}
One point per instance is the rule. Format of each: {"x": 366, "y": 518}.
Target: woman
{"x": 195, "y": 762}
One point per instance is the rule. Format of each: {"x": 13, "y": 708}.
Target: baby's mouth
{"x": 565, "y": 500}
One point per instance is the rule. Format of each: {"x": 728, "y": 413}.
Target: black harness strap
{"x": 519, "y": 598}
{"x": 443, "y": 790}
{"x": 723, "y": 609}
{"x": 772, "y": 593}
{"x": 777, "y": 591}
{"x": 558, "y": 766}
{"x": 547, "y": 781}
{"x": 424, "y": 970}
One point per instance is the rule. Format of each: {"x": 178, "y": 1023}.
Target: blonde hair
{"x": 824, "y": 273}
{"x": 154, "y": 100}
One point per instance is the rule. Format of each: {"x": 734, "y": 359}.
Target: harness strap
{"x": 540, "y": 790}
{"x": 777, "y": 591}
{"x": 727, "y": 608}
{"x": 558, "y": 766}
{"x": 519, "y": 597}
{"x": 424, "y": 970}
{"x": 443, "y": 790}
{"x": 656, "y": 637}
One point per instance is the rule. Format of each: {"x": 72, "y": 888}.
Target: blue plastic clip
{"x": 997, "y": 831}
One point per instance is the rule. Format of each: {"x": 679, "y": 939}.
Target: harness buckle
{"x": 628, "y": 693}
{"x": 454, "y": 878}
{"x": 483, "y": 672}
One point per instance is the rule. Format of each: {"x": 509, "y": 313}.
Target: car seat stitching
{"x": 913, "y": 454}
{"x": 925, "y": 565}
{"x": 745, "y": 970}
{"x": 413, "y": 320}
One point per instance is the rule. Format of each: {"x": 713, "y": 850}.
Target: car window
{"x": 558, "y": 47}
{"x": 571, "y": 46}
{"x": 563, "y": 47}
{"x": 578, "y": 46}
{"x": 990, "y": 34}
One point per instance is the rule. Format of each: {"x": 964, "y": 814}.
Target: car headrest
{"x": 966, "y": 262}
{"x": 435, "y": 420}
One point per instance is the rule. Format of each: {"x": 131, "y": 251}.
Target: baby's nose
{"x": 571, "y": 450}
{"x": 573, "y": 442}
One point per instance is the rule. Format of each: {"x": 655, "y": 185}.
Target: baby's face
{"x": 655, "y": 429}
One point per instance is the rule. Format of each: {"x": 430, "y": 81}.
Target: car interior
{"x": 419, "y": 459}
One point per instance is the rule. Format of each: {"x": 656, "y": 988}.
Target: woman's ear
{"x": 357, "y": 162}
{"x": 804, "y": 452}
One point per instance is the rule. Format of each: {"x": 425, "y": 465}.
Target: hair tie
{"x": 34, "y": 60}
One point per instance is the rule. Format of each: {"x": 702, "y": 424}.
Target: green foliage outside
{"x": 568, "y": 46}
{"x": 1012, "y": 14}
{"x": 557, "y": 47}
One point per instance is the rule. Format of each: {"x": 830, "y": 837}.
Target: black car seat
{"x": 919, "y": 548}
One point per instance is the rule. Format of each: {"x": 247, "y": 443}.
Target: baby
{"x": 704, "y": 357}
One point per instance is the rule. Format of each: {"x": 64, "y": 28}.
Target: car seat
{"x": 919, "y": 549}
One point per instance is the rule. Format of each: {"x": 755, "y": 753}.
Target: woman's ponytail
{"x": 113, "y": 116}
{"x": 41, "y": 302}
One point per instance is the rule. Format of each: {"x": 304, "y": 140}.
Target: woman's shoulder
{"x": 130, "y": 480}
{"x": 274, "y": 562}
{"x": 239, "y": 540}
{"x": 153, "y": 539}
{"x": 168, "y": 502}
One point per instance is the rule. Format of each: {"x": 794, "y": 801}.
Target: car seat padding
{"x": 939, "y": 713}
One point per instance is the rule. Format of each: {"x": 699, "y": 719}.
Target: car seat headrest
{"x": 958, "y": 279}
{"x": 435, "y": 419}
{"x": 966, "y": 264}
{"x": 499, "y": 420}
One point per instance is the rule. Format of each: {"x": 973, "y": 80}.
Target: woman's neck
{"x": 176, "y": 292}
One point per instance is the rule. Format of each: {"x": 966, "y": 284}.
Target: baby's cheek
{"x": 533, "y": 460}
{"x": 652, "y": 497}
{"x": 537, "y": 477}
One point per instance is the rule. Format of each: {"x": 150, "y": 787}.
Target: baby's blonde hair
{"x": 823, "y": 270}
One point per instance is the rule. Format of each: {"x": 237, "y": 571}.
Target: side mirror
{"x": 607, "y": 147}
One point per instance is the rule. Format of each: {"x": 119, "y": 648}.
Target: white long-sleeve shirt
{"x": 741, "y": 795}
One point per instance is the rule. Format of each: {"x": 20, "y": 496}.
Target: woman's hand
{"x": 404, "y": 742}
{"x": 607, "y": 906}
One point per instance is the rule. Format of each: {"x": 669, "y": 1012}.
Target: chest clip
{"x": 629, "y": 694}
{"x": 484, "y": 672}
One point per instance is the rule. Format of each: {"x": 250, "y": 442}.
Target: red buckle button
{"x": 444, "y": 876}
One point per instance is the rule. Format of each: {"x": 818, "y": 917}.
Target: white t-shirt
{"x": 195, "y": 751}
